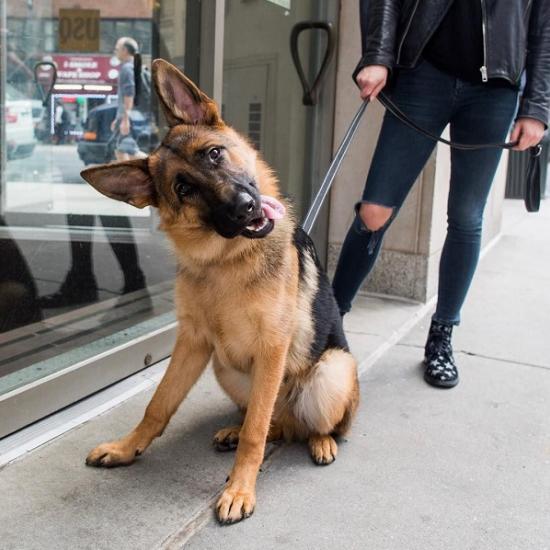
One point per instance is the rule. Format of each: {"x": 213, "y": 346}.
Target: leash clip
{"x": 536, "y": 150}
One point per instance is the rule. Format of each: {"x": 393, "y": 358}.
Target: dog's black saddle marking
{"x": 329, "y": 332}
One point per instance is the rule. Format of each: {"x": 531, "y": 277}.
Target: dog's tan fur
{"x": 239, "y": 301}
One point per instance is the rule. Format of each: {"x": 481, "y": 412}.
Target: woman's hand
{"x": 371, "y": 80}
{"x": 527, "y": 132}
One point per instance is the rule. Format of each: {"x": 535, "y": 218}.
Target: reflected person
{"x": 80, "y": 285}
{"x": 129, "y": 84}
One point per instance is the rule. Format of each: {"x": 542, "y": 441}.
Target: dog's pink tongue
{"x": 272, "y": 208}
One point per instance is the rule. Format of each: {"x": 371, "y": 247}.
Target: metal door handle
{"x": 310, "y": 92}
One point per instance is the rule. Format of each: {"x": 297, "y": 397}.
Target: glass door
{"x": 81, "y": 276}
{"x": 262, "y": 94}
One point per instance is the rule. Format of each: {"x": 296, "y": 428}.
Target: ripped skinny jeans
{"x": 477, "y": 113}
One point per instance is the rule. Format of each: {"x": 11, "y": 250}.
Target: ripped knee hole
{"x": 374, "y": 216}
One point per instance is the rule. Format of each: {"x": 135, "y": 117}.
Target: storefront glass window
{"x": 79, "y": 273}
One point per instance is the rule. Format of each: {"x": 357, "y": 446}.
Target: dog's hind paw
{"x": 113, "y": 454}
{"x": 323, "y": 449}
{"x": 227, "y": 439}
{"x": 235, "y": 505}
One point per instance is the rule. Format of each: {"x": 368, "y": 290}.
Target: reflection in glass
{"x": 71, "y": 287}
{"x": 80, "y": 285}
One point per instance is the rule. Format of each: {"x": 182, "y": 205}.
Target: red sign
{"x": 83, "y": 69}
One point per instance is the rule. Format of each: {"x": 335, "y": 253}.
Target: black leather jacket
{"x": 517, "y": 38}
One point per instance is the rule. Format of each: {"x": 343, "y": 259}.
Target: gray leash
{"x": 317, "y": 203}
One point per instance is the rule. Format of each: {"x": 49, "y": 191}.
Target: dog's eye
{"x": 214, "y": 154}
{"x": 183, "y": 189}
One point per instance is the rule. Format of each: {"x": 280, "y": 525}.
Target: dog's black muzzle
{"x": 231, "y": 219}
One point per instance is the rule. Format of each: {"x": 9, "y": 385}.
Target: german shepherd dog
{"x": 250, "y": 295}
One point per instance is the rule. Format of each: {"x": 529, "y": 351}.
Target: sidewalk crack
{"x": 179, "y": 538}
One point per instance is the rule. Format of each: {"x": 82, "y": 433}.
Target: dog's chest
{"x": 227, "y": 320}
{"x": 234, "y": 343}
{"x": 240, "y": 320}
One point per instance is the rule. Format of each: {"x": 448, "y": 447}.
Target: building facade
{"x": 58, "y": 86}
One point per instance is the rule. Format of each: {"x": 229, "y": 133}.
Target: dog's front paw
{"x": 235, "y": 504}
{"x": 108, "y": 455}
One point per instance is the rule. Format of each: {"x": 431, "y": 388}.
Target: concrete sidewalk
{"x": 467, "y": 468}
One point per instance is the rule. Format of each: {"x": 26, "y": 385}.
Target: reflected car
{"x": 97, "y": 145}
{"x": 18, "y": 118}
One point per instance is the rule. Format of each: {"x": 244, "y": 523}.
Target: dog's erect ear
{"x": 182, "y": 102}
{"x": 127, "y": 181}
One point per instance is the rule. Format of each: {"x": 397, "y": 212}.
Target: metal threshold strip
{"x": 18, "y": 444}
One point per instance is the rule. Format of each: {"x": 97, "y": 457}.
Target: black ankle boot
{"x": 134, "y": 282}
{"x": 440, "y": 365}
{"x": 75, "y": 290}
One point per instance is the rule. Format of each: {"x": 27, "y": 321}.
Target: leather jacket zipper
{"x": 483, "y": 68}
